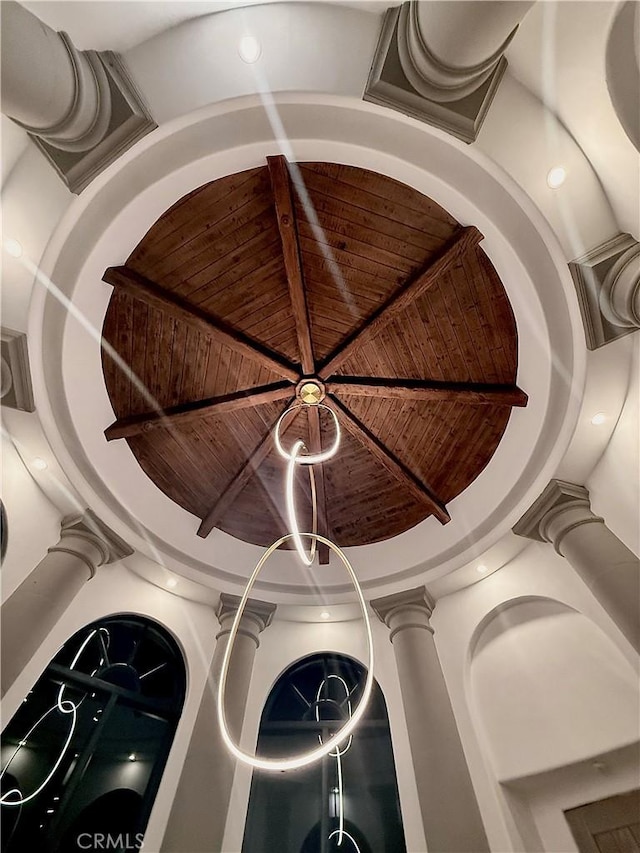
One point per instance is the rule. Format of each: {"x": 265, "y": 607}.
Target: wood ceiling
{"x": 256, "y": 280}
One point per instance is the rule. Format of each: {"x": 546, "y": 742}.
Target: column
{"x": 35, "y": 607}
{"x": 562, "y": 515}
{"x": 442, "y": 62}
{"x": 448, "y": 50}
{"x": 607, "y": 280}
{"x": 80, "y": 107}
{"x": 620, "y": 294}
{"x": 50, "y": 88}
{"x": 450, "y": 813}
{"x": 199, "y": 812}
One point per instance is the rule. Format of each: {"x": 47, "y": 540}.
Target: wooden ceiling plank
{"x": 341, "y": 210}
{"x": 288, "y": 227}
{"x": 315, "y": 441}
{"x": 192, "y": 411}
{"x": 428, "y": 391}
{"x": 403, "y": 298}
{"x": 139, "y": 287}
{"x": 416, "y": 487}
{"x": 242, "y": 477}
{"x": 374, "y": 192}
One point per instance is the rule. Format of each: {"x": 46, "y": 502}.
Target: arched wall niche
{"x": 570, "y": 694}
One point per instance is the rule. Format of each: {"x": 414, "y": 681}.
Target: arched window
{"x": 83, "y": 756}
{"x": 347, "y": 802}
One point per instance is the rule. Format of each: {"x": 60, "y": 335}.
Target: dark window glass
{"x": 83, "y": 756}
{"x": 300, "y": 810}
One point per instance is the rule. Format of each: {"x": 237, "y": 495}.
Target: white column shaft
{"x": 467, "y": 32}
{"x": 450, "y": 813}
{"x": 37, "y": 73}
{"x": 448, "y": 49}
{"x": 605, "y": 564}
{"x": 35, "y": 607}
{"x": 199, "y": 812}
{"x": 49, "y": 87}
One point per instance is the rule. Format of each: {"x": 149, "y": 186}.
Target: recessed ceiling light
{"x": 556, "y": 177}
{"x": 598, "y": 418}
{"x": 39, "y": 464}
{"x": 249, "y": 49}
{"x": 481, "y": 569}
{"x": 325, "y": 615}
{"x": 172, "y": 582}
{"x": 132, "y": 756}
{"x": 13, "y": 248}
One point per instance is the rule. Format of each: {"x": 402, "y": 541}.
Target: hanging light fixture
{"x": 310, "y": 393}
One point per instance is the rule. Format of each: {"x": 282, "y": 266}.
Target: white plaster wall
{"x": 282, "y": 644}
{"x": 526, "y": 140}
{"x": 115, "y": 590}
{"x": 614, "y": 484}
{"x": 550, "y": 689}
{"x": 543, "y": 798}
{"x": 33, "y": 521}
{"x": 33, "y": 200}
{"x": 306, "y": 47}
{"x": 559, "y": 54}
{"x": 537, "y": 571}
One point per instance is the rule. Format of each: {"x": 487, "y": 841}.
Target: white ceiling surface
{"x": 99, "y": 25}
{"x": 559, "y": 54}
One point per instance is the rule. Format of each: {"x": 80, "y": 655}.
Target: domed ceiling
{"x": 259, "y": 280}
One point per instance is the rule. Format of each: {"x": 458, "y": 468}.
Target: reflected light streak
{"x": 291, "y": 507}
{"x": 4, "y": 800}
{"x": 337, "y": 754}
{"x": 347, "y": 835}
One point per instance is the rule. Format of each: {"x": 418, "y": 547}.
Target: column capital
{"x": 88, "y": 538}
{"x": 560, "y": 508}
{"x": 410, "y": 608}
{"x": 257, "y": 616}
{"x": 607, "y": 281}
{"x": 80, "y": 107}
{"x": 442, "y": 62}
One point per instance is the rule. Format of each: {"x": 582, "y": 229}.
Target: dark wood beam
{"x": 176, "y": 306}
{"x": 237, "y": 483}
{"x": 424, "y": 390}
{"x": 288, "y": 226}
{"x": 136, "y": 424}
{"x": 413, "y": 484}
{"x": 464, "y": 240}
{"x": 315, "y": 442}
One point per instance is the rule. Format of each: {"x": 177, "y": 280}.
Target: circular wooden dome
{"x": 257, "y": 280}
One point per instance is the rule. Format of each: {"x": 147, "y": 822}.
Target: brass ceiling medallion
{"x": 310, "y": 392}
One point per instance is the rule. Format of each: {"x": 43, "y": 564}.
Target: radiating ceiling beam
{"x": 175, "y": 306}
{"x": 464, "y": 240}
{"x": 240, "y": 479}
{"x": 288, "y": 227}
{"x": 407, "y": 478}
{"x": 315, "y": 442}
{"x": 422, "y": 390}
{"x": 192, "y": 411}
